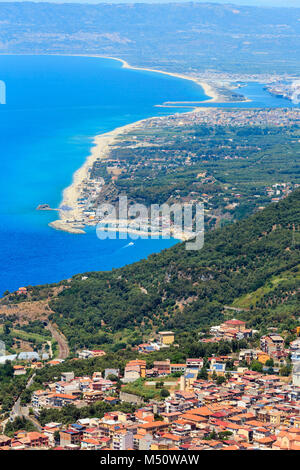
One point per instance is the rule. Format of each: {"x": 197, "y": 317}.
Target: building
{"x": 134, "y": 370}
{"x": 175, "y": 368}
{"x": 19, "y": 370}
{"x": 234, "y": 324}
{"x": 122, "y": 440}
{"x": 67, "y": 376}
{"x": 115, "y": 372}
{"x": 273, "y": 345}
{"x": 166, "y": 338}
{"x": 296, "y": 375}
{"x": 22, "y": 290}
{"x": 162, "y": 367}
{"x": 69, "y": 436}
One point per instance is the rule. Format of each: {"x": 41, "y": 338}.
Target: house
{"x": 287, "y": 440}
{"x": 296, "y": 374}
{"x": 67, "y": 376}
{"x": 22, "y": 291}
{"x": 273, "y": 344}
{"x": 234, "y": 324}
{"x": 162, "y": 367}
{"x": 194, "y": 362}
{"x": 166, "y": 338}
{"x": 60, "y": 399}
{"x": 174, "y": 368}
{"x": 152, "y": 427}
{"x": 122, "y": 440}
{"x": 262, "y": 357}
{"x": 69, "y": 436}
{"x": 98, "y": 353}
{"x": 247, "y": 355}
{"x": 91, "y": 396}
{"x": 19, "y": 370}
{"x": 4, "y": 441}
{"x": 134, "y": 370}
{"x": 39, "y": 398}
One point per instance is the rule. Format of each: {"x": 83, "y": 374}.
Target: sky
{"x": 269, "y": 3}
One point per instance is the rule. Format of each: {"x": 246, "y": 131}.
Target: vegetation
{"x": 10, "y": 386}
{"x": 187, "y": 290}
{"x": 19, "y": 424}
{"x": 70, "y": 413}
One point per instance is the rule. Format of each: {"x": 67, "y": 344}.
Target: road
{"x": 18, "y": 410}
{"x": 235, "y": 309}
{"x": 61, "y": 341}
{"x": 63, "y": 353}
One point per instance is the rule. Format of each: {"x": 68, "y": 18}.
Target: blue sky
{"x": 272, "y": 3}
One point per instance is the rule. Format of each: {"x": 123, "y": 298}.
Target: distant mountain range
{"x": 181, "y": 37}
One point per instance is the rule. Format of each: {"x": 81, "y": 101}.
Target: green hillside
{"x": 187, "y": 290}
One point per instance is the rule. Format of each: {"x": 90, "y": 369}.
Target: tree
{"x": 159, "y": 384}
{"x": 56, "y": 437}
{"x": 6, "y": 328}
{"x": 256, "y": 366}
{"x": 269, "y": 363}
{"x": 285, "y": 370}
{"x": 220, "y": 380}
{"x": 214, "y": 375}
{"x": 203, "y": 374}
{"x": 164, "y": 393}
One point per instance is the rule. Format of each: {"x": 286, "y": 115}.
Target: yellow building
{"x": 263, "y": 357}
{"x": 166, "y": 337}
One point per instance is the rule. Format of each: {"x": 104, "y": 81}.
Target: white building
{"x": 123, "y": 440}
{"x": 296, "y": 374}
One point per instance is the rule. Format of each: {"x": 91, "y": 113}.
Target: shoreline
{"x": 207, "y": 88}
{"x": 69, "y": 218}
{"x": 101, "y": 144}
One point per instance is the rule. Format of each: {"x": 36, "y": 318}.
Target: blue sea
{"x": 55, "y": 106}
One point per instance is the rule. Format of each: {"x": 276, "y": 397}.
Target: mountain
{"x": 187, "y": 290}
{"x": 182, "y": 37}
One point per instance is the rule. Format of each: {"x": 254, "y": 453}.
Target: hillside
{"x": 187, "y": 290}
{"x": 177, "y": 36}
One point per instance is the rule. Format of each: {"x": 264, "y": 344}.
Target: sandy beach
{"x": 70, "y": 211}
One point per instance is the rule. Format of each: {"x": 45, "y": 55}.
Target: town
{"x": 246, "y": 400}
{"x": 208, "y": 156}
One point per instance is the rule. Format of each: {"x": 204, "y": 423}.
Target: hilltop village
{"x": 243, "y": 400}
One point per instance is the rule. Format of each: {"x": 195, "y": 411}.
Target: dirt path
{"x": 61, "y": 341}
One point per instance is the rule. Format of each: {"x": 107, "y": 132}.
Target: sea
{"x": 55, "y": 105}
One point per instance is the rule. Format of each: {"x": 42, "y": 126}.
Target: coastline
{"x": 68, "y": 218}
{"x": 70, "y": 212}
{"x": 208, "y": 89}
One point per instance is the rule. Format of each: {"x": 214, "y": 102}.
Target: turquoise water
{"x": 55, "y": 105}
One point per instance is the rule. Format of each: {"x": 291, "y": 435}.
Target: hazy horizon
{"x": 257, "y": 3}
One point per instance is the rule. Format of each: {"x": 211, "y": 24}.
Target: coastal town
{"x": 198, "y": 170}
{"x": 246, "y": 400}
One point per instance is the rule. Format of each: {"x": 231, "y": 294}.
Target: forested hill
{"x": 186, "y": 290}
{"x": 180, "y": 37}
